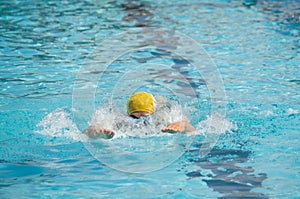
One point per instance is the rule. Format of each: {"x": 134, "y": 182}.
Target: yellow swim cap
{"x": 141, "y": 101}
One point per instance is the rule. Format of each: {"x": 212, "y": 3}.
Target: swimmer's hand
{"x": 179, "y": 127}
{"x": 98, "y": 132}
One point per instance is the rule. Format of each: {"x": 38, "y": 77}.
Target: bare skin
{"x": 140, "y": 114}
{"x": 176, "y": 127}
{"x": 179, "y": 127}
{"x": 98, "y": 132}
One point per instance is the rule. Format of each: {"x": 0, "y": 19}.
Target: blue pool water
{"x": 232, "y": 65}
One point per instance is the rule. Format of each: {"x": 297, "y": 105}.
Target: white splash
{"x": 215, "y": 124}
{"x": 111, "y": 117}
{"x": 59, "y": 124}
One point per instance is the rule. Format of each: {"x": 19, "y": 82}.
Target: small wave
{"x": 291, "y": 111}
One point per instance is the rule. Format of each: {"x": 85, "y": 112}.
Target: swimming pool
{"x": 50, "y": 51}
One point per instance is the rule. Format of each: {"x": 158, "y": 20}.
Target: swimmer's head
{"x": 141, "y": 104}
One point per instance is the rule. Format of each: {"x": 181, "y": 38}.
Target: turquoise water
{"x": 51, "y": 65}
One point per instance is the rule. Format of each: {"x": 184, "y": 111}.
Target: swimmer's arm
{"x": 98, "y": 132}
{"x": 179, "y": 127}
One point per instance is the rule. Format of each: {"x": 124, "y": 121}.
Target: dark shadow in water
{"x": 180, "y": 65}
{"x": 227, "y": 178}
{"x": 286, "y": 14}
{"x": 138, "y": 12}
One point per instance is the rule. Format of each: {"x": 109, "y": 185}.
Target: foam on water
{"x": 59, "y": 123}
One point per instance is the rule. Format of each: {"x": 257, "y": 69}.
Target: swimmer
{"x": 140, "y": 106}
